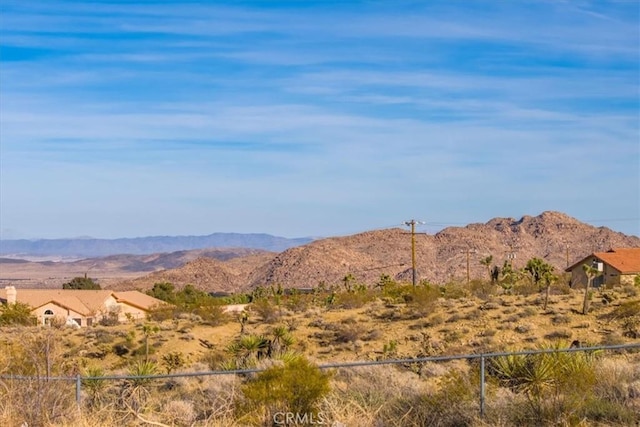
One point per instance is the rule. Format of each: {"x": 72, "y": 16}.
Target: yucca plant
{"x": 95, "y": 387}
{"x": 248, "y": 349}
{"x": 555, "y": 383}
{"x": 281, "y": 340}
{"x": 142, "y": 368}
{"x": 135, "y": 392}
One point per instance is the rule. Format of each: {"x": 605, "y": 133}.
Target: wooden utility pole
{"x": 412, "y": 223}
{"x": 469, "y": 252}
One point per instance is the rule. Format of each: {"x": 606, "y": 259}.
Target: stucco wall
{"x": 610, "y": 276}
{"x": 134, "y": 312}
{"x": 60, "y": 313}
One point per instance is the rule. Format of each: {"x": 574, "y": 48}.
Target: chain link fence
{"x": 81, "y": 388}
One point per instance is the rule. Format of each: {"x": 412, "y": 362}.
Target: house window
{"x": 48, "y": 315}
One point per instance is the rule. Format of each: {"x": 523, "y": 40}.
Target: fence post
{"x": 482, "y": 390}
{"x": 78, "y": 389}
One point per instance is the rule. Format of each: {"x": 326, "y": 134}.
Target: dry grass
{"x": 364, "y": 396}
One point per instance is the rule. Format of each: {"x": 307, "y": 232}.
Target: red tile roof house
{"x": 620, "y": 266}
{"x": 81, "y": 307}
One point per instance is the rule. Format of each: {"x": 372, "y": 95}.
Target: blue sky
{"x": 315, "y": 118}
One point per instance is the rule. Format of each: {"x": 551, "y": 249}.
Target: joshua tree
{"x": 487, "y": 263}
{"x": 549, "y": 279}
{"x": 148, "y": 330}
{"x": 591, "y": 272}
{"x": 348, "y": 280}
{"x": 537, "y": 268}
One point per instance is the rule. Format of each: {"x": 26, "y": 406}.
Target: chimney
{"x": 11, "y": 294}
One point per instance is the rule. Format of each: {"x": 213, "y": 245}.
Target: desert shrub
{"x": 297, "y": 302}
{"x": 559, "y": 334}
{"x": 562, "y": 289}
{"x": 528, "y": 312}
{"x": 297, "y": 386}
{"x": 436, "y": 319}
{"x": 173, "y": 361}
{"x": 625, "y": 310}
{"x": 612, "y": 339}
{"x": 111, "y": 318}
{"x": 212, "y": 315}
{"x": 422, "y": 300}
{"x": 608, "y": 412}
{"x": 453, "y": 291}
{"x": 631, "y": 327}
{"x": 482, "y": 289}
{"x": 523, "y": 328}
{"x": 560, "y": 319}
{"x": 394, "y": 292}
{"x": 454, "y": 403}
{"x": 36, "y": 401}
{"x": 526, "y": 288}
{"x": 348, "y": 333}
{"x": 213, "y": 359}
{"x": 179, "y": 412}
{"x": 354, "y": 299}
{"x": 268, "y": 311}
{"x": 163, "y": 312}
{"x": 555, "y": 384}
{"x": 630, "y": 291}
{"x": 16, "y": 314}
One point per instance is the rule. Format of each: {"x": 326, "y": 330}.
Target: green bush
{"x": 16, "y": 314}
{"x": 85, "y": 283}
{"x": 212, "y": 315}
{"x": 268, "y": 310}
{"x": 422, "y": 299}
{"x": 453, "y": 291}
{"x": 354, "y": 299}
{"x": 453, "y": 404}
{"x": 163, "y": 312}
{"x": 173, "y": 361}
{"x": 296, "y": 387}
{"x": 555, "y": 384}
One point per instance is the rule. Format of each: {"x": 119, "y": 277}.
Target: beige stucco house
{"x": 619, "y": 266}
{"x": 81, "y": 307}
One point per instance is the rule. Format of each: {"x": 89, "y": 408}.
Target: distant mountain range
{"x": 88, "y": 247}
{"x": 553, "y": 236}
{"x": 448, "y": 255}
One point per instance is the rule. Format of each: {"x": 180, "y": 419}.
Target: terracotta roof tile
{"x": 138, "y": 299}
{"x": 85, "y": 302}
{"x": 625, "y": 260}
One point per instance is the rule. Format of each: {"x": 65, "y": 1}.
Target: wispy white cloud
{"x": 357, "y": 112}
